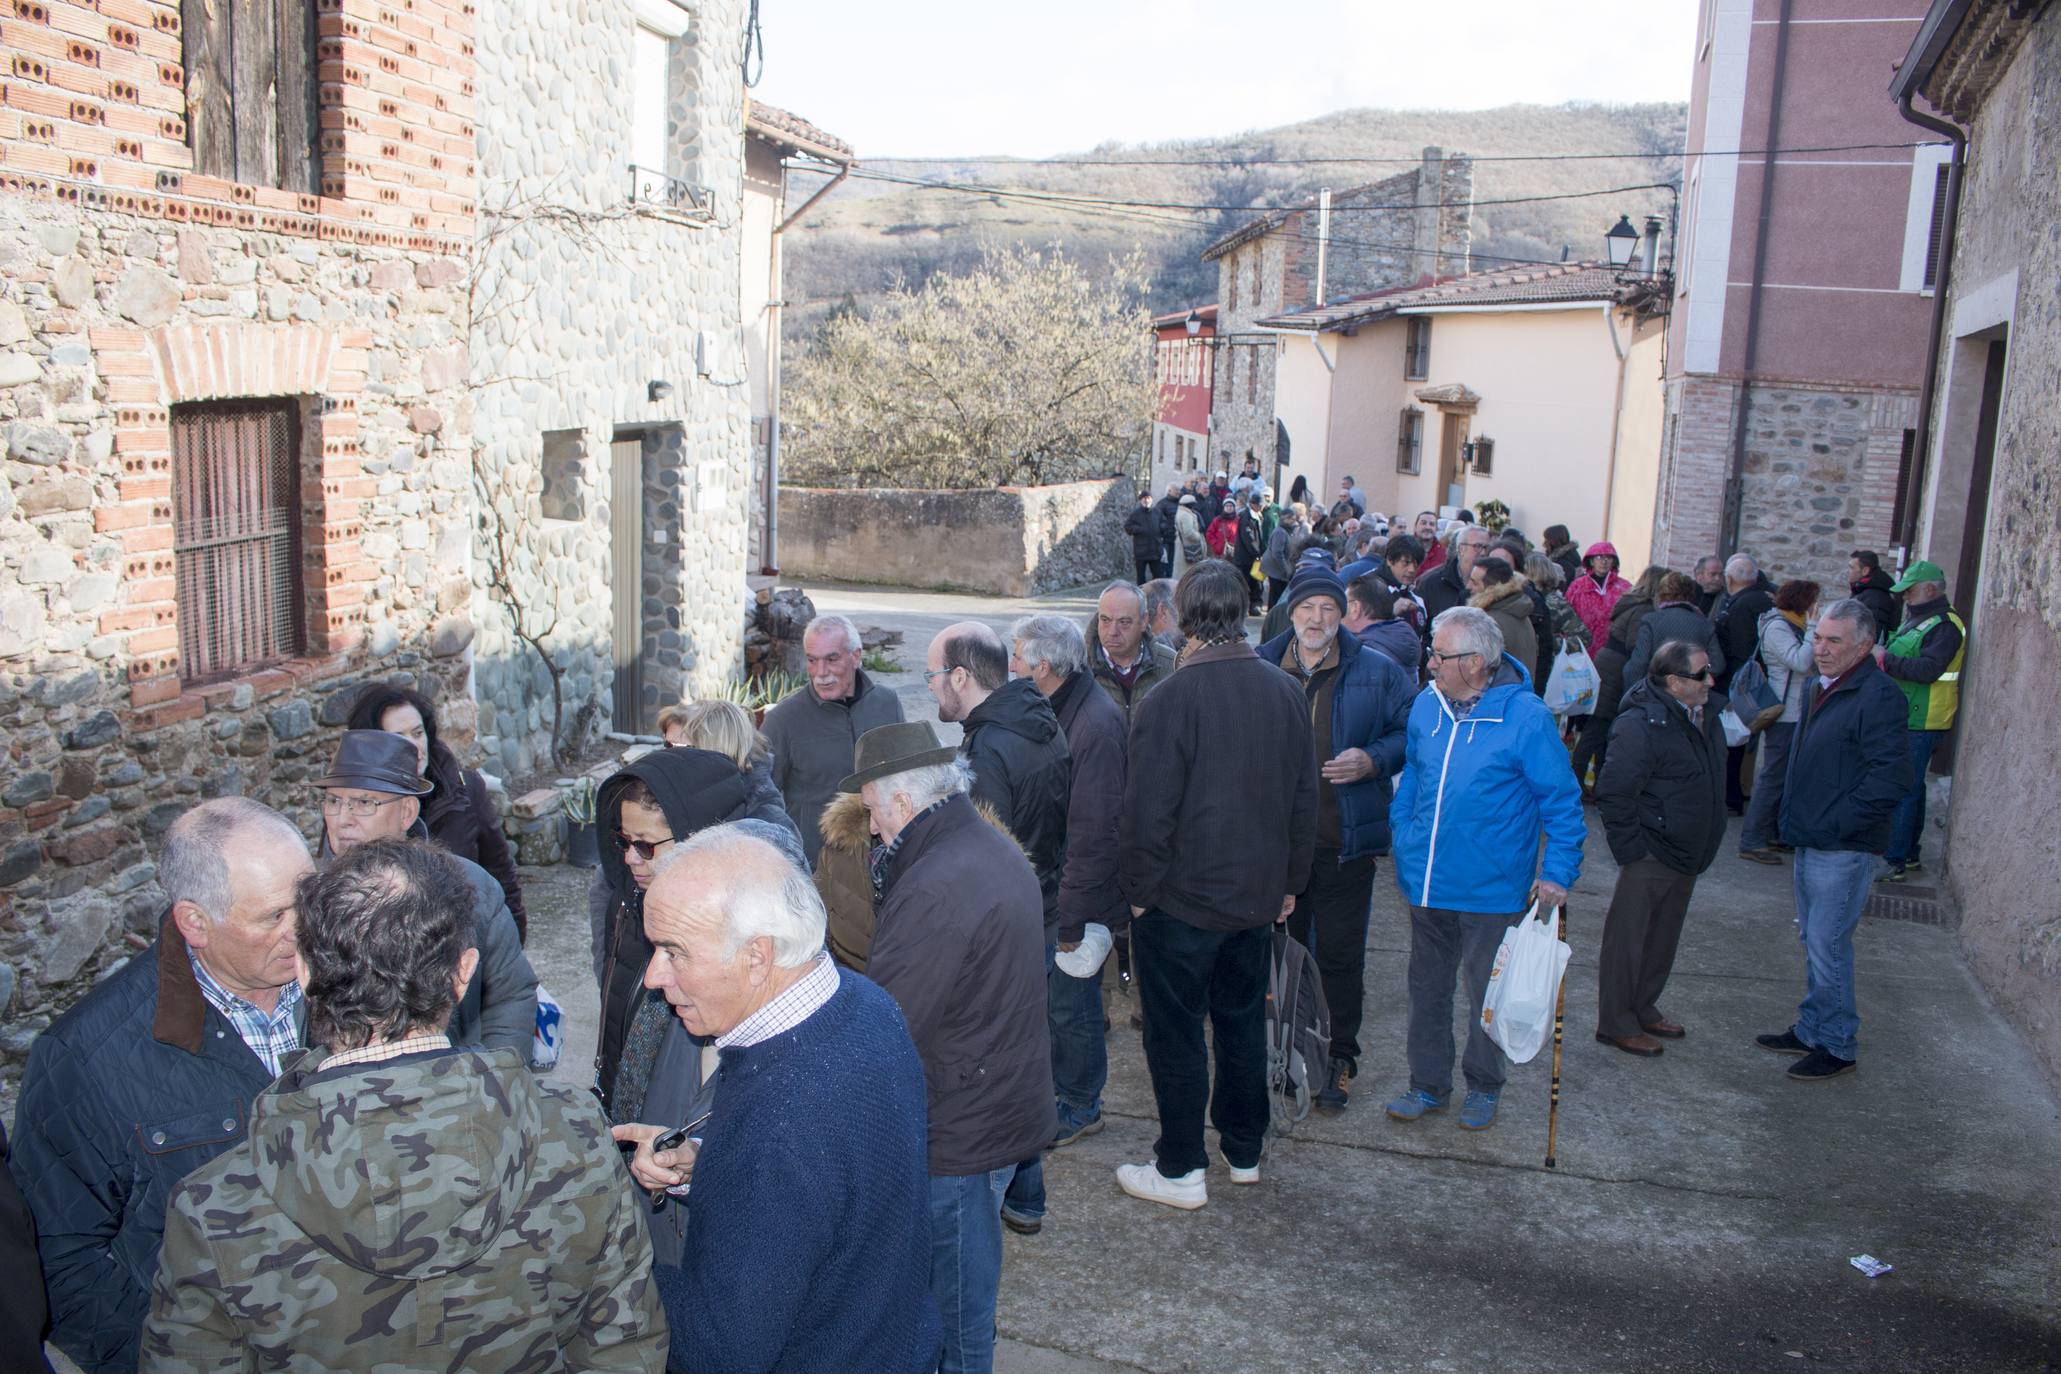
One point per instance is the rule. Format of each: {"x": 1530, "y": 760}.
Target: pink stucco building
{"x": 1803, "y": 289}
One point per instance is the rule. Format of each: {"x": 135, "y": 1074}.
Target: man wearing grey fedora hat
{"x": 960, "y": 946}
{"x": 373, "y": 791}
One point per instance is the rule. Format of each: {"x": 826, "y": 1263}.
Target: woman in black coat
{"x": 458, "y": 812}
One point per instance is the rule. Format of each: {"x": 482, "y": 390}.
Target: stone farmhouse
{"x": 302, "y": 305}
{"x": 1394, "y": 232}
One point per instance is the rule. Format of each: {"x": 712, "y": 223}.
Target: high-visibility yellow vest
{"x": 1932, "y": 703}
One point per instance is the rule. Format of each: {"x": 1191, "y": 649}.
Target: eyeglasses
{"x": 1436, "y": 657}
{"x": 935, "y": 672}
{"x": 1702, "y": 674}
{"x": 361, "y": 807}
{"x": 645, "y": 850}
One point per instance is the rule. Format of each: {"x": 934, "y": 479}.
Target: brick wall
{"x": 129, "y": 286}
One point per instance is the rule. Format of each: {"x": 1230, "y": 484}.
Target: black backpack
{"x": 1298, "y": 1033}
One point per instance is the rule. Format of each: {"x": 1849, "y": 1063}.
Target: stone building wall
{"x": 1390, "y": 233}
{"x": 1002, "y": 541}
{"x": 131, "y": 286}
{"x": 2001, "y": 860}
{"x": 583, "y": 299}
{"x": 1820, "y": 474}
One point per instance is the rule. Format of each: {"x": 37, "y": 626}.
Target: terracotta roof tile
{"x": 776, "y": 125}
{"x": 1527, "y": 285}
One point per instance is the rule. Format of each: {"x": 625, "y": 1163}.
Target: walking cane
{"x": 1559, "y": 1024}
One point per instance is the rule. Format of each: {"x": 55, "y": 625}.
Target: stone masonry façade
{"x": 1820, "y": 474}
{"x": 580, "y": 301}
{"x": 132, "y": 286}
{"x": 1391, "y": 233}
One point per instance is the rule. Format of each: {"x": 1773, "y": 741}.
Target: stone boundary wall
{"x": 1004, "y": 541}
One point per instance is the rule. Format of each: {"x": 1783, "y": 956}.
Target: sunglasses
{"x": 645, "y": 850}
{"x": 1702, "y": 674}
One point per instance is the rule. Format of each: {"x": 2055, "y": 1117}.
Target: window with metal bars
{"x": 1417, "y": 348}
{"x": 1484, "y": 456}
{"x": 1409, "y": 441}
{"x": 236, "y": 535}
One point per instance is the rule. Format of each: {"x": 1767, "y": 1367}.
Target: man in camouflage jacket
{"x": 400, "y": 1204}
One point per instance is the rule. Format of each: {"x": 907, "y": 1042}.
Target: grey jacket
{"x": 813, "y": 742}
{"x": 499, "y": 1009}
{"x": 1785, "y": 655}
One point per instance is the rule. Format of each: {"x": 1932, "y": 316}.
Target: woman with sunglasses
{"x": 642, "y": 811}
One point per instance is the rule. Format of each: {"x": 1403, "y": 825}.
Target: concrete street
{"x": 1702, "y": 1215}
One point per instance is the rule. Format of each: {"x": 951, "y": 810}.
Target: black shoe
{"x": 1785, "y": 1043}
{"x": 1337, "y": 1089}
{"x": 1819, "y": 1065}
{"x": 1023, "y": 1226}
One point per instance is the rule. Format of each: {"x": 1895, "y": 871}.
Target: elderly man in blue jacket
{"x": 1359, "y": 704}
{"x": 1849, "y": 766}
{"x": 1486, "y": 775}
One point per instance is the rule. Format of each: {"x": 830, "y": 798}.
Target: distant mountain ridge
{"x": 870, "y": 232}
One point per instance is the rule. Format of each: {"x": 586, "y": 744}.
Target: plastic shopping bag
{"x": 1736, "y": 733}
{"x": 550, "y": 1036}
{"x": 1572, "y": 684}
{"x": 1524, "y": 985}
{"x": 1085, "y": 959}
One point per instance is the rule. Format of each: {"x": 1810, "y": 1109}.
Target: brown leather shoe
{"x": 1666, "y": 1028}
{"x": 1645, "y": 1046}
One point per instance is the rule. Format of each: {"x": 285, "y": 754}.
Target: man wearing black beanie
{"x": 1359, "y": 705}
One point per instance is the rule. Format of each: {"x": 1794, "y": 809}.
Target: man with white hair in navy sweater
{"x": 808, "y": 1234}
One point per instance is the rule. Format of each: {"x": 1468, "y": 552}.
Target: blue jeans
{"x": 1764, "y": 811}
{"x": 1907, "y": 826}
{"x": 966, "y": 1265}
{"x": 1831, "y": 885}
{"x": 1080, "y": 1068}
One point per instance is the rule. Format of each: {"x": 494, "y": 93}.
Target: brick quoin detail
{"x": 153, "y": 370}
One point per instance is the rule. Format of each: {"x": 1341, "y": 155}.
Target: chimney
{"x": 1651, "y": 247}
{"x": 1429, "y": 219}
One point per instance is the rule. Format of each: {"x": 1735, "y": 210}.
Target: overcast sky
{"x": 921, "y": 78}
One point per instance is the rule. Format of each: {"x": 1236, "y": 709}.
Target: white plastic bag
{"x": 1524, "y": 985}
{"x": 1085, "y": 959}
{"x": 549, "y": 1039}
{"x": 1573, "y": 682}
{"x": 1736, "y": 733}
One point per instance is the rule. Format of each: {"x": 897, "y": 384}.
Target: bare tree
{"x": 1021, "y": 370}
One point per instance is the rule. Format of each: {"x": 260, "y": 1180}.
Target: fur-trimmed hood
{"x": 1488, "y": 598}
{"x": 847, "y": 828}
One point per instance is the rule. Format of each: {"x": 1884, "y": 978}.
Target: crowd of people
{"x": 852, "y": 978}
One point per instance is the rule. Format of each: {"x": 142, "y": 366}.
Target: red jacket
{"x": 1592, "y": 601}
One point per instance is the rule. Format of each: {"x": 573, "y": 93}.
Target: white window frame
{"x": 663, "y": 17}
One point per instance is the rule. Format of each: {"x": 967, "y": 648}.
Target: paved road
{"x": 1701, "y": 1218}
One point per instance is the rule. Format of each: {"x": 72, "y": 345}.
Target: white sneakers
{"x": 1187, "y": 1192}
{"x": 1238, "y": 1175}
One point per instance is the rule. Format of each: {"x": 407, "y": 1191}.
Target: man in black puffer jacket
{"x": 1662, "y": 795}
{"x": 1013, "y": 742}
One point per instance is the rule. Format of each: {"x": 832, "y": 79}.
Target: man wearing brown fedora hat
{"x": 373, "y": 791}
{"x": 960, "y": 946}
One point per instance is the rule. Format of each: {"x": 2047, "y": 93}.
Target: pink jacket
{"x": 1593, "y": 601}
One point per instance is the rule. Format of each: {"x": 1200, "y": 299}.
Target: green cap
{"x": 1920, "y": 571}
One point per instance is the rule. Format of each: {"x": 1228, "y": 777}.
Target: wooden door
{"x": 1452, "y": 474}
{"x": 626, "y": 568}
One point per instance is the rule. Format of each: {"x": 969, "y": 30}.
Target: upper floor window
{"x": 1417, "y": 348}
{"x": 236, "y": 535}
{"x": 250, "y": 91}
{"x": 662, "y": 148}
{"x": 1409, "y": 441}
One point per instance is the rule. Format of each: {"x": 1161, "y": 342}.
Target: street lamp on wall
{"x": 1193, "y": 324}
{"x": 1621, "y": 241}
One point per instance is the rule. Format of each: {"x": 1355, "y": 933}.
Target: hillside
{"x": 870, "y": 231}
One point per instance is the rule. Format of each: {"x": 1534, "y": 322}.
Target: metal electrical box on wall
{"x": 710, "y": 494}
